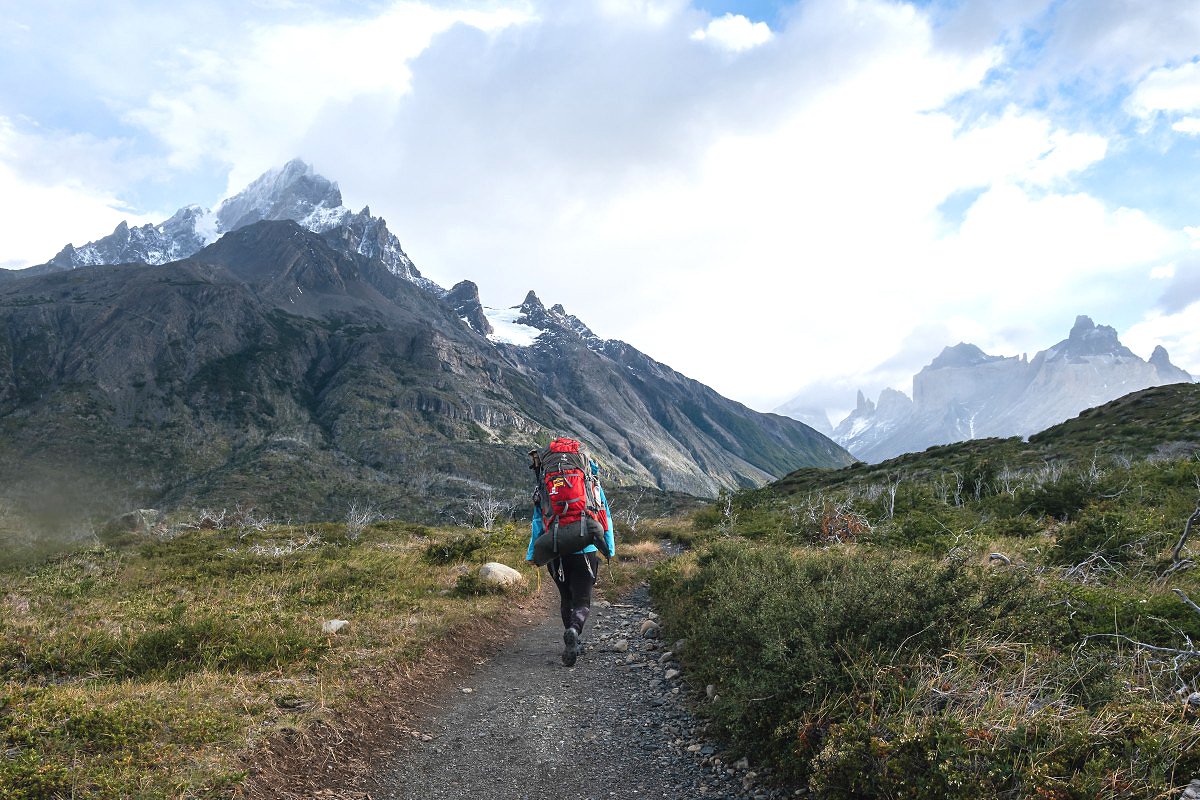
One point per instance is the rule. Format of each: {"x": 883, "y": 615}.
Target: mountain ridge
{"x": 965, "y": 393}
{"x": 286, "y": 369}
{"x": 292, "y": 192}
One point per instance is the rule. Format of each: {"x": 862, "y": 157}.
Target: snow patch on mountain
{"x": 207, "y": 226}
{"x": 507, "y": 330}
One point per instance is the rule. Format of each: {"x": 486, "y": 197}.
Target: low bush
{"x": 862, "y": 672}
{"x": 453, "y": 550}
{"x": 783, "y": 633}
{"x": 1118, "y": 535}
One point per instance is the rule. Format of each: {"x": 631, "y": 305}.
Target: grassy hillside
{"x": 989, "y": 619}
{"x": 171, "y": 662}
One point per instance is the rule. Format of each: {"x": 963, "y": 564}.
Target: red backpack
{"x": 569, "y": 496}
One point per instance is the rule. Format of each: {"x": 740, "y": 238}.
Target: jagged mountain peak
{"x": 1083, "y": 327}
{"x": 961, "y": 355}
{"x": 532, "y": 303}
{"x": 1168, "y": 372}
{"x": 534, "y": 314}
{"x": 1089, "y": 339}
{"x": 464, "y": 291}
{"x": 893, "y": 402}
{"x": 572, "y": 323}
{"x": 294, "y": 192}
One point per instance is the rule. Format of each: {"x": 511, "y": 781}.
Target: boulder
{"x": 333, "y": 625}
{"x": 496, "y": 574}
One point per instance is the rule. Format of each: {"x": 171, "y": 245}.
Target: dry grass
{"x": 196, "y": 667}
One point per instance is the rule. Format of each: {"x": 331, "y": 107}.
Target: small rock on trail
{"x": 612, "y": 726}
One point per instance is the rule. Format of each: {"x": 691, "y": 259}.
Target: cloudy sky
{"x": 772, "y": 197}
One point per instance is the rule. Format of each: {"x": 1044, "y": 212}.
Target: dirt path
{"x": 523, "y": 726}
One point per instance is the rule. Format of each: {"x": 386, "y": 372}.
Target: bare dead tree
{"x": 421, "y": 481}
{"x": 1008, "y": 481}
{"x": 630, "y": 514}
{"x": 358, "y": 517}
{"x": 1094, "y": 473}
{"x": 893, "y": 484}
{"x": 487, "y": 508}
{"x": 941, "y": 488}
{"x": 728, "y": 518}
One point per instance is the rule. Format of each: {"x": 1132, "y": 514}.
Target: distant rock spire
{"x": 464, "y": 299}
{"x": 863, "y": 405}
{"x": 1167, "y": 371}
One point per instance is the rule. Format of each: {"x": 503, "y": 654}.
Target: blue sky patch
{"x": 767, "y": 11}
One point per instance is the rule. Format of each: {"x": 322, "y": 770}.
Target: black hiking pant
{"x": 575, "y": 575}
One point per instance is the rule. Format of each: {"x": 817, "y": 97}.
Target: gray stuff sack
{"x": 559, "y": 541}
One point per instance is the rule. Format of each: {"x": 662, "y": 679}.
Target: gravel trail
{"x": 523, "y": 726}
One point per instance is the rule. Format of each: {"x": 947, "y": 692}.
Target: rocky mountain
{"x": 293, "y": 192}
{"x": 296, "y": 370}
{"x": 964, "y": 393}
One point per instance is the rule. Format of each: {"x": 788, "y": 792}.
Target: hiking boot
{"x": 571, "y": 651}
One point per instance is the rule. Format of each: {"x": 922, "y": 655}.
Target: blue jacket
{"x": 538, "y": 527}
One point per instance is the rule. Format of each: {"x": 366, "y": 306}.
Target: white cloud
{"x": 1163, "y": 272}
{"x": 1020, "y": 146}
{"x": 653, "y": 12}
{"x": 1113, "y": 41}
{"x": 1188, "y": 125}
{"x": 1169, "y": 89}
{"x": 220, "y": 103}
{"x": 734, "y": 32}
{"x": 1176, "y": 332}
{"x": 47, "y": 209}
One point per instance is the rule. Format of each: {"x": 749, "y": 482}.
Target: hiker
{"x": 571, "y": 524}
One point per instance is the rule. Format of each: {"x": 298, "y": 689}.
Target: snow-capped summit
{"x": 293, "y": 192}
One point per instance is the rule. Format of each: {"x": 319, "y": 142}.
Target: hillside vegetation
{"x": 989, "y": 619}
{"x": 171, "y": 662}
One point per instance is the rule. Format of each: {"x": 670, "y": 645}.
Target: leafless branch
{"x": 1187, "y": 530}
{"x": 358, "y": 517}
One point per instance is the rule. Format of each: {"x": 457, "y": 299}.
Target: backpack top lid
{"x": 564, "y": 445}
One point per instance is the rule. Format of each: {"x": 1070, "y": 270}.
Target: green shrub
{"x": 763, "y": 622}
{"x": 929, "y": 763}
{"x": 458, "y": 548}
{"x": 707, "y": 518}
{"x": 27, "y": 776}
{"x": 1118, "y": 535}
{"x": 1061, "y": 499}
{"x": 162, "y": 650}
{"x": 216, "y": 643}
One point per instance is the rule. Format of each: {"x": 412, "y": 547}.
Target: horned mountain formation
{"x": 965, "y": 393}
